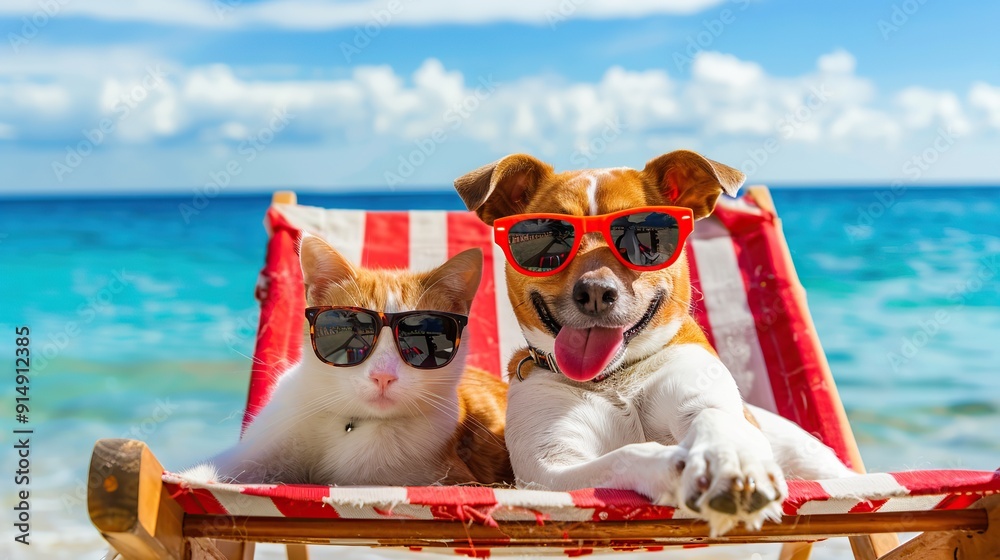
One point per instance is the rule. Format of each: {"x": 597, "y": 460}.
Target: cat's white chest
{"x": 377, "y": 452}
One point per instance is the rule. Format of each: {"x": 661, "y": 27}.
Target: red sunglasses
{"x": 648, "y": 238}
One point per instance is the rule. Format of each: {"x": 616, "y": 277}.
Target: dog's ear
{"x": 503, "y": 187}
{"x": 686, "y": 178}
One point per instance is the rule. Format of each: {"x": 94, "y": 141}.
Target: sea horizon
{"x": 365, "y": 190}
{"x": 167, "y": 318}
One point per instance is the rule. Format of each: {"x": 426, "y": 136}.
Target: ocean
{"x": 142, "y": 319}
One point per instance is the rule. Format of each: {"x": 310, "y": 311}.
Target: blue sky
{"x": 397, "y": 94}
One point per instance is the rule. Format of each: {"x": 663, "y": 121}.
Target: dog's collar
{"x": 547, "y": 361}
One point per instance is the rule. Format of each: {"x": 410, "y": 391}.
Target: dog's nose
{"x": 595, "y": 296}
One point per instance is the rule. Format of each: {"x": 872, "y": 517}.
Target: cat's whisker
{"x": 253, "y": 359}
{"x": 408, "y": 404}
{"x": 303, "y": 434}
{"x": 471, "y": 419}
{"x": 307, "y": 409}
{"x": 358, "y": 293}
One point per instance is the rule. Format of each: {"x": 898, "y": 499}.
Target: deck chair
{"x": 754, "y": 311}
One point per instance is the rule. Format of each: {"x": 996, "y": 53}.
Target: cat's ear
{"x": 458, "y": 279}
{"x": 322, "y": 267}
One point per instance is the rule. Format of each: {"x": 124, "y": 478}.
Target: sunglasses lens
{"x": 344, "y": 337}
{"x": 646, "y": 239}
{"x": 541, "y": 245}
{"x": 427, "y": 340}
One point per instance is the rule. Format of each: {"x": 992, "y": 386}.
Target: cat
{"x": 381, "y": 422}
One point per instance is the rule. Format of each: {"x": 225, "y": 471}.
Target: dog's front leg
{"x": 562, "y": 437}
{"x": 648, "y": 468}
{"x": 730, "y": 474}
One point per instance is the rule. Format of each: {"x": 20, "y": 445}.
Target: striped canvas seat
{"x": 747, "y": 298}
{"x": 906, "y": 491}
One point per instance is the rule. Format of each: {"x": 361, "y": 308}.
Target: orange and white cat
{"x": 381, "y": 422}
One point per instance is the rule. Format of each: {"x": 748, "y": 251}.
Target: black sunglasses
{"x": 346, "y": 336}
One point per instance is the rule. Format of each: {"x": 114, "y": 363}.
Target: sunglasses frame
{"x": 383, "y": 320}
{"x": 583, "y": 225}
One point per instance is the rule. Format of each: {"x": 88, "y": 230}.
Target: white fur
{"x": 392, "y": 300}
{"x": 592, "y": 194}
{"x": 301, "y": 436}
{"x": 655, "y": 428}
{"x": 651, "y": 341}
{"x": 540, "y": 340}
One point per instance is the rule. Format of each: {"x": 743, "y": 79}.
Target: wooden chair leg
{"x": 297, "y": 552}
{"x": 128, "y": 505}
{"x": 796, "y": 551}
{"x": 872, "y": 547}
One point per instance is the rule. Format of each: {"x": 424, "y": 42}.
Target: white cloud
{"x": 325, "y": 14}
{"x": 923, "y": 108}
{"x": 987, "y": 99}
{"x": 864, "y": 124}
{"x": 726, "y": 70}
{"x": 234, "y": 131}
{"x": 374, "y": 112}
{"x": 46, "y": 100}
{"x": 837, "y": 62}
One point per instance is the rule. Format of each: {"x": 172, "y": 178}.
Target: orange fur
{"x": 477, "y": 453}
{"x": 522, "y": 184}
{"x": 679, "y": 178}
{"x": 479, "y": 441}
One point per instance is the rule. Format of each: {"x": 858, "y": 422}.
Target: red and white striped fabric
{"x": 908, "y": 491}
{"x": 750, "y": 305}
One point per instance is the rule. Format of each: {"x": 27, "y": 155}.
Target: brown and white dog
{"x": 668, "y": 422}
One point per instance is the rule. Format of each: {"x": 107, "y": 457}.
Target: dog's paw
{"x": 729, "y": 477}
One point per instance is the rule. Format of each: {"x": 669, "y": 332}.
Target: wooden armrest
{"x": 283, "y": 197}
{"x": 128, "y": 504}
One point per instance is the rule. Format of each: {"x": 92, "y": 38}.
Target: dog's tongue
{"x": 582, "y": 354}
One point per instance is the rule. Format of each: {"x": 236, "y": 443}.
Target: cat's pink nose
{"x": 383, "y": 379}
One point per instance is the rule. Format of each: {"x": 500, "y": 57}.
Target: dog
{"x": 643, "y": 401}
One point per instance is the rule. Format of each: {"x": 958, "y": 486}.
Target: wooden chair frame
{"x": 130, "y": 506}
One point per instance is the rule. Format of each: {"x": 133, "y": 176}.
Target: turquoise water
{"x": 142, "y": 323}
